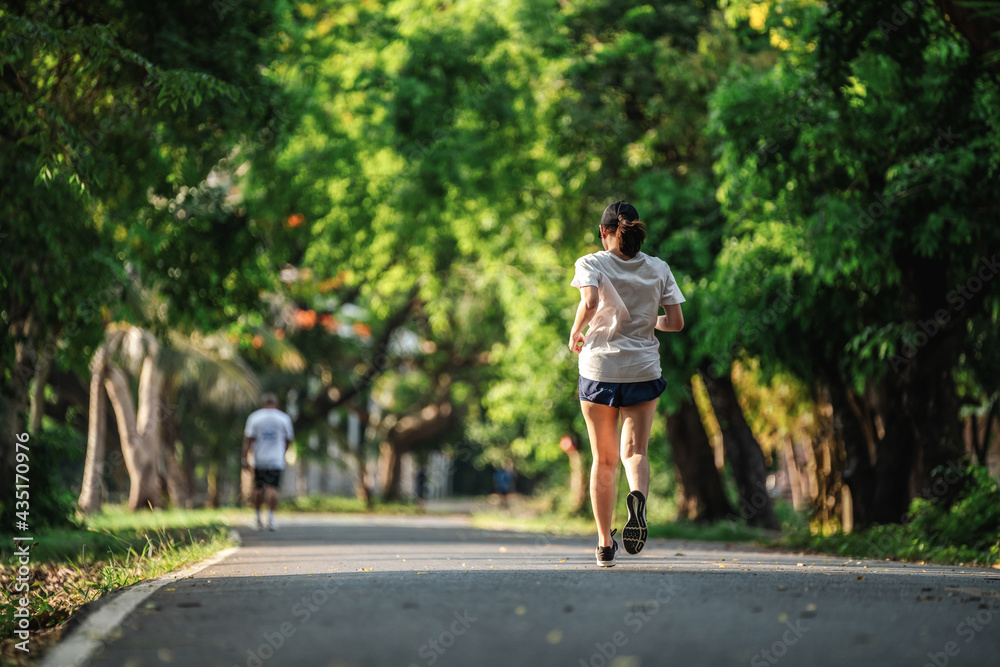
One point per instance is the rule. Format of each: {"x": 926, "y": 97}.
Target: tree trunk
{"x": 980, "y": 436}
{"x": 893, "y": 464}
{"x": 42, "y": 367}
{"x": 212, "y": 482}
{"x": 246, "y": 488}
{"x": 138, "y": 433}
{"x": 743, "y": 453}
{"x": 577, "y": 475}
{"x": 90, "y": 492}
{"x": 409, "y": 431}
{"x": 794, "y": 474}
{"x": 178, "y": 488}
{"x": 176, "y": 482}
{"x": 702, "y": 496}
{"x": 390, "y": 464}
{"x": 932, "y": 405}
{"x": 859, "y": 473}
{"x": 362, "y": 485}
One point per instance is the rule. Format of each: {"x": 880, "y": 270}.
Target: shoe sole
{"x": 634, "y": 533}
{"x": 605, "y": 563}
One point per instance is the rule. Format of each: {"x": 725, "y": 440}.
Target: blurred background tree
{"x": 373, "y": 208}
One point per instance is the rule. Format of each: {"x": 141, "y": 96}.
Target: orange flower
{"x": 295, "y": 220}
{"x": 258, "y": 341}
{"x": 305, "y": 319}
{"x": 279, "y": 334}
{"x": 329, "y": 323}
{"x": 362, "y": 329}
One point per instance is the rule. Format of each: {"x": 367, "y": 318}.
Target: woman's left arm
{"x": 673, "y": 320}
{"x": 585, "y": 312}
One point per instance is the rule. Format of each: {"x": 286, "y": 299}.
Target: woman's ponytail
{"x": 630, "y": 235}
{"x": 629, "y": 230}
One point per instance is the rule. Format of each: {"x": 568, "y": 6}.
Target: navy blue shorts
{"x": 620, "y": 394}
{"x": 266, "y": 477}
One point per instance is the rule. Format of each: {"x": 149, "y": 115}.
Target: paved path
{"x": 339, "y": 591}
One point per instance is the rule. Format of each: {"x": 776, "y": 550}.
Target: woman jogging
{"x": 621, "y": 292}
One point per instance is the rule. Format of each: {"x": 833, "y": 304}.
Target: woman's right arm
{"x": 589, "y": 299}
{"x": 673, "y": 320}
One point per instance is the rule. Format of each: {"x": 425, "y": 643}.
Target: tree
{"x": 98, "y": 150}
{"x": 869, "y": 202}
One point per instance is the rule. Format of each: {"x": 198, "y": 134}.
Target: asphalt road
{"x": 339, "y": 591}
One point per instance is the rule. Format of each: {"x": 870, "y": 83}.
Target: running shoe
{"x": 606, "y": 555}
{"x": 634, "y": 533}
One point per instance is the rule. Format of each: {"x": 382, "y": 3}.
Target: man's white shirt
{"x": 270, "y": 428}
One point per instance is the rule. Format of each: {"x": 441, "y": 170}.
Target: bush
{"x": 965, "y": 531}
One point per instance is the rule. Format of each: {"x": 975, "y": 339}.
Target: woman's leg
{"x": 637, "y": 420}
{"x": 602, "y": 425}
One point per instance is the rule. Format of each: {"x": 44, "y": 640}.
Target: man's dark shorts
{"x": 266, "y": 477}
{"x": 620, "y": 394}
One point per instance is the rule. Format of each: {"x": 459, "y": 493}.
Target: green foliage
{"x": 967, "y": 531}
{"x": 57, "y": 455}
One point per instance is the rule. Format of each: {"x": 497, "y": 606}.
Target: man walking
{"x": 269, "y": 433}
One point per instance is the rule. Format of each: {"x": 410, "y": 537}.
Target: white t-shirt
{"x": 270, "y": 428}
{"x": 620, "y": 345}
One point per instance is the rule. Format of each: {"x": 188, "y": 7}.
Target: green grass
{"x": 118, "y": 548}
{"x": 558, "y": 524}
{"x": 117, "y": 533}
{"x": 547, "y": 522}
{"x": 344, "y": 505}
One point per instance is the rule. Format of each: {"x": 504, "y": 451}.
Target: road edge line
{"x": 78, "y": 647}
